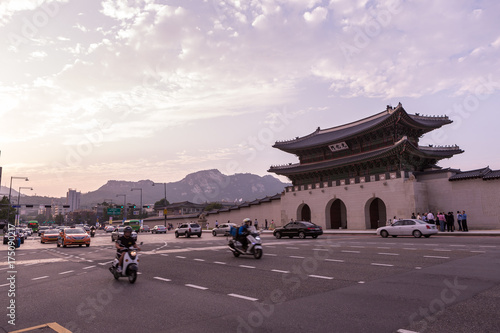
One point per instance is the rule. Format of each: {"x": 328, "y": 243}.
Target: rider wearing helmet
{"x": 123, "y": 243}
{"x": 242, "y": 232}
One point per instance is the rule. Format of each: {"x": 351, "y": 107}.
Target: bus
{"x": 135, "y": 224}
{"x": 33, "y": 225}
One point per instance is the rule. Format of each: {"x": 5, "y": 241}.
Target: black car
{"x": 302, "y": 229}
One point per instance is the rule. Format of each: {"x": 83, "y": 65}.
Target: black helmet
{"x": 127, "y": 229}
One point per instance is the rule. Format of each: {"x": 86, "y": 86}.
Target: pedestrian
{"x": 450, "y": 222}
{"x": 256, "y": 224}
{"x": 413, "y": 216}
{"x": 265, "y": 221}
{"x": 442, "y": 221}
{"x": 464, "y": 221}
{"x": 216, "y": 224}
{"x": 272, "y": 225}
{"x": 419, "y": 217}
{"x": 207, "y": 225}
{"x": 430, "y": 217}
{"x": 459, "y": 220}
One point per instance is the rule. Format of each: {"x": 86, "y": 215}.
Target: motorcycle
{"x": 92, "y": 232}
{"x": 130, "y": 265}
{"x": 254, "y": 245}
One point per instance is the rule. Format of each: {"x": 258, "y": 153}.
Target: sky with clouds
{"x": 155, "y": 89}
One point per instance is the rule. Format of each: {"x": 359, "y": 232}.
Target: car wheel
{"x": 199, "y": 235}
{"x": 87, "y": 245}
{"x": 64, "y": 245}
{"x": 236, "y": 254}
{"x": 384, "y": 233}
{"x": 214, "y": 233}
{"x": 257, "y": 254}
{"x": 58, "y": 245}
{"x": 40, "y": 242}
{"x": 188, "y": 235}
{"x": 417, "y": 234}
{"x": 302, "y": 235}
{"x": 278, "y": 235}
{"x": 176, "y": 234}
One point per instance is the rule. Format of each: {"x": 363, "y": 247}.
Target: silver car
{"x": 408, "y": 227}
{"x": 188, "y": 229}
{"x": 223, "y": 229}
{"x": 119, "y": 232}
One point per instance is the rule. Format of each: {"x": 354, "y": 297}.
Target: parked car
{"x": 409, "y": 227}
{"x": 145, "y": 228}
{"x": 50, "y": 235}
{"x": 159, "y": 229}
{"x": 119, "y": 232}
{"x": 301, "y": 229}
{"x": 109, "y": 228}
{"x": 73, "y": 236}
{"x": 223, "y": 229}
{"x": 188, "y": 229}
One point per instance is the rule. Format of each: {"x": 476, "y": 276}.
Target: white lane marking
{"x": 162, "y": 279}
{"x": 418, "y": 267}
{"x": 270, "y": 254}
{"x": 385, "y": 265}
{"x": 292, "y": 248}
{"x": 346, "y": 251}
{"x": 436, "y": 257}
{"x": 245, "y": 266}
{"x": 67, "y": 272}
{"x": 441, "y": 250}
{"x": 199, "y": 259}
{"x": 357, "y": 246}
{"x": 478, "y": 251}
{"x": 105, "y": 263}
{"x": 89, "y": 267}
{"x": 321, "y": 250}
{"x": 457, "y": 245}
{"x": 383, "y": 247}
{"x": 334, "y": 260}
{"x": 41, "y": 277}
{"x": 297, "y": 257}
{"x": 219, "y": 263}
{"x": 278, "y": 271}
{"x": 195, "y": 286}
{"x": 244, "y": 297}
{"x": 404, "y": 331}
{"x": 493, "y": 246}
{"x": 321, "y": 277}
{"x": 35, "y": 261}
{"x": 164, "y": 254}
{"x": 388, "y": 254}
{"x": 409, "y": 248}
{"x": 3, "y": 285}
{"x": 361, "y": 282}
{"x": 180, "y": 257}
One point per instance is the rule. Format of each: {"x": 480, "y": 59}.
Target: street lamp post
{"x": 10, "y": 193}
{"x": 124, "y": 205}
{"x": 139, "y": 189}
{"x": 165, "y": 209}
{"x": 18, "y": 197}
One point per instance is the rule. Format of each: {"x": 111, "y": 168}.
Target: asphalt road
{"x": 336, "y": 283}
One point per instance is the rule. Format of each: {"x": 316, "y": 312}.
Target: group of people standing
{"x": 445, "y": 221}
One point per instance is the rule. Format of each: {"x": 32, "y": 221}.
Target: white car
{"x": 408, "y": 227}
{"x": 223, "y": 229}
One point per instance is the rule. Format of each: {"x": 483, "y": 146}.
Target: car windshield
{"x": 308, "y": 224}
{"x": 195, "y": 225}
{"x": 51, "y": 231}
{"x": 74, "y": 231}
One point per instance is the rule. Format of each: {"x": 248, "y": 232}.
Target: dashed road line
{"x": 385, "y": 265}
{"x": 347, "y": 251}
{"x": 67, "y": 272}
{"x": 162, "y": 279}
{"x": 199, "y": 259}
{"x": 180, "y": 257}
{"x": 219, "y": 263}
{"x": 436, "y": 257}
{"x": 335, "y": 260}
{"x": 388, "y": 254}
{"x": 195, "y": 286}
{"x": 278, "y": 271}
{"x": 297, "y": 257}
{"x": 321, "y": 277}
{"x": 39, "y": 278}
{"x": 89, "y": 267}
{"x": 243, "y": 297}
{"x": 245, "y": 266}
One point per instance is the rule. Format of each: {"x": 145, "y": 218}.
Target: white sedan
{"x": 409, "y": 227}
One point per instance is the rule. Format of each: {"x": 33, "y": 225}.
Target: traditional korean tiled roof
{"x": 402, "y": 145}
{"x": 484, "y": 173}
{"x": 340, "y": 133}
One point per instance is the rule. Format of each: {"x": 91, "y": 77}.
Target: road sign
{"x": 114, "y": 211}
{"x": 165, "y": 212}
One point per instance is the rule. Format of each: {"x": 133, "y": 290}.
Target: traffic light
{"x": 145, "y": 206}
{"x": 121, "y": 207}
{"x": 131, "y": 206}
{"x": 66, "y": 206}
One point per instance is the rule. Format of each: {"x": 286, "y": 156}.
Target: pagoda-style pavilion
{"x": 384, "y": 142}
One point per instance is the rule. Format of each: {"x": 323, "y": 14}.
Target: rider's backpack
{"x": 233, "y": 231}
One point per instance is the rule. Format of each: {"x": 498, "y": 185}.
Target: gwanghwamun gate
{"x": 360, "y": 175}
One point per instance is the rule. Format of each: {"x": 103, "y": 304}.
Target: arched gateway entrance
{"x": 375, "y": 213}
{"x": 304, "y": 213}
{"x": 336, "y": 214}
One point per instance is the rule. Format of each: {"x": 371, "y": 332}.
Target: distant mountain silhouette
{"x": 198, "y": 187}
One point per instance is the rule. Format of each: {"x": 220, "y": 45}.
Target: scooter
{"x": 130, "y": 265}
{"x": 254, "y": 245}
{"x": 92, "y": 232}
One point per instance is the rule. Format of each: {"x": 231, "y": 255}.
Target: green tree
{"x": 161, "y": 203}
{"x": 4, "y": 210}
{"x": 213, "y": 206}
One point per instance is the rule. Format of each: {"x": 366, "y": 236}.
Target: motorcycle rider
{"x": 243, "y": 231}
{"x": 123, "y": 243}
{"x": 92, "y": 230}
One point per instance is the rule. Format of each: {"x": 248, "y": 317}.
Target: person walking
{"x": 464, "y": 221}
{"x": 459, "y": 220}
{"x": 265, "y": 222}
{"x": 450, "y": 222}
{"x": 430, "y": 217}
